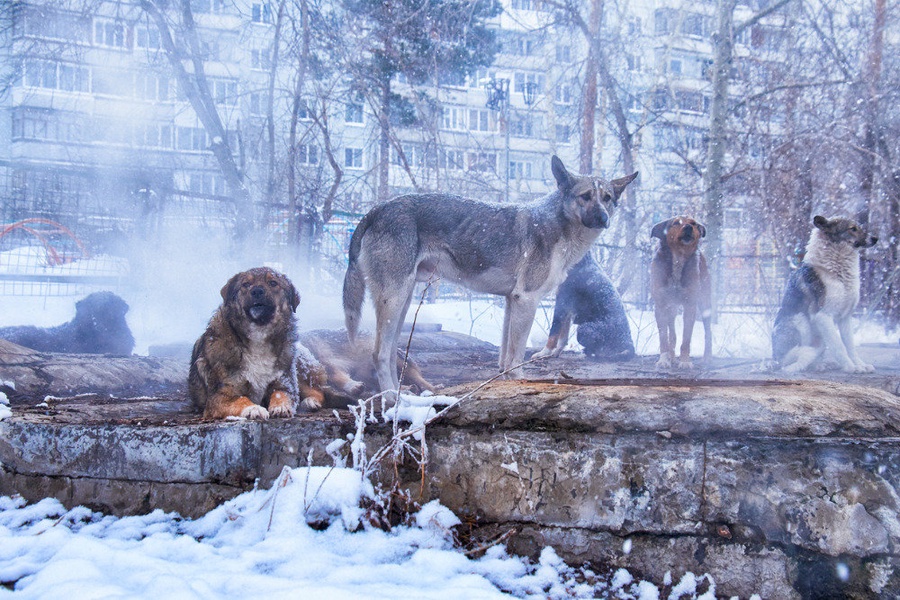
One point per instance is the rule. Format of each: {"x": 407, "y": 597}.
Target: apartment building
{"x": 96, "y": 134}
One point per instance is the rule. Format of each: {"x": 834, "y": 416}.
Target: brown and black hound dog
{"x": 679, "y": 277}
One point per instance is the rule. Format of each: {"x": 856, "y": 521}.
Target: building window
{"x": 524, "y": 126}
{"x": 303, "y": 112}
{"x": 308, "y": 154}
{"x": 534, "y": 79}
{"x": 483, "y": 161}
{"x": 45, "y": 23}
{"x": 261, "y": 13}
{"x": 519, "y": 169}
{"x": 354, "y": 113}
{"x": 146, "y": 37}
{"x": 454, "y": 119}
{"x": 563, "y": 134}
{"x": 148, "y": 86}
{"x": 209, "y": 184}
{"x": 224, "y": 91}
{"x": 692, "y": 102}
{"x": 353, "y": 158}
{"x": 634, "y": 102}
{"x": 563, "y": 54}
{"x": 633, "y": 62}
{"x": 110, "y": 33}
{"x": 209, "y": 6}
{"x": 257, "y": 104}
{"x": 665, "y": 20}
{"x": 31, "y": 125}
{"x": 480, "y": 120}
{"x": 563, "y": 94}
{"x": 520, "y": 45}
{"x": 528, "y": 5}
{"x": 57, "y": 76}
{"x": 260, "y": 59}
{"x": 660, "y": 100}
{"x": 192, "y": 139}
{"x": 693, "y": 25}
{"x": 634, "y": 26}
{"x": 452, "y": 160}
{"x": 154, "y": 135}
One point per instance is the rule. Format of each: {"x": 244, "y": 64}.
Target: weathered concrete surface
{"x": 131, "y": 468}
{"x": 37, "y": 374}
{"x": 765, "y": 486}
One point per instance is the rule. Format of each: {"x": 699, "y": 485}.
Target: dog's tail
{"x": 355, "y": 281}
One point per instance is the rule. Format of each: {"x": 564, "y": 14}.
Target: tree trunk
{"x": 589, "y": 110}
{"x": 872, "y": 76}
{"x": 270, "y": 119}
{"x": 723, "y": 43}
{"x": 384, "y": 144}
{"x": 296, "y": 103}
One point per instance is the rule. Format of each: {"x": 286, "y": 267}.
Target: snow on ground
{"x": 260, "y": 544}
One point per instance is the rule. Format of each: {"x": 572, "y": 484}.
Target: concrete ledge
{"x": 767, "y": 486}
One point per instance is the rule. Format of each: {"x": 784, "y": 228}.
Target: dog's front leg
{"x": 227, "y": 402}
{"x": 846, "y": 332}
{"x": 690, "y": 316}
{"x": 517, "y": 321}
{"x": 558, "y": 337}
{"x": 666, "y": 328}
{"x": 831, "y": 337}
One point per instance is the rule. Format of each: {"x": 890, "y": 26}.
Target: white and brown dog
{"x": 819, "y": 300}
{"x": 679, "y": 277}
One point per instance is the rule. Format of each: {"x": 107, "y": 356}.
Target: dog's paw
{"x": 546, "y": 353}
{"x": 284, "y": 411}
{"x": 664, "y": 362}
{"x": 792, "y": 368}
{"x": 858, "y": 368}
{"x": 255, "y": 412}
{"x": 310, "y": 404}
{"x": 863, "y": 366}
{"x": 685, "y": 363}
{"x": 281, "y": 405}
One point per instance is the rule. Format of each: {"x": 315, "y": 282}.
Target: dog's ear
{"x": 230, "y": 288}
{"x": 293, "y": 295}
{"x": 820, "y": 222}
{"x": 621, "y": 183}
{"x": 560, "y": 173}
{"x": 659, "y": 230}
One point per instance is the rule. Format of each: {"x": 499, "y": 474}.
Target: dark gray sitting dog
{"x": 589, "y": 299}
{"x": 99, "y": 327}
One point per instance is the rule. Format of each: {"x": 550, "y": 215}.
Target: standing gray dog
{"x": 519, "y": 252}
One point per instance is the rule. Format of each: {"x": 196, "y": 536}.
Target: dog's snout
{"x": 257, "y": 292}
{"x": 604, "y": 219}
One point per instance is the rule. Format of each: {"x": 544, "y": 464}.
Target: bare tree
{"x": 181, "y": 42}
{"x": 723, "y": 56}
